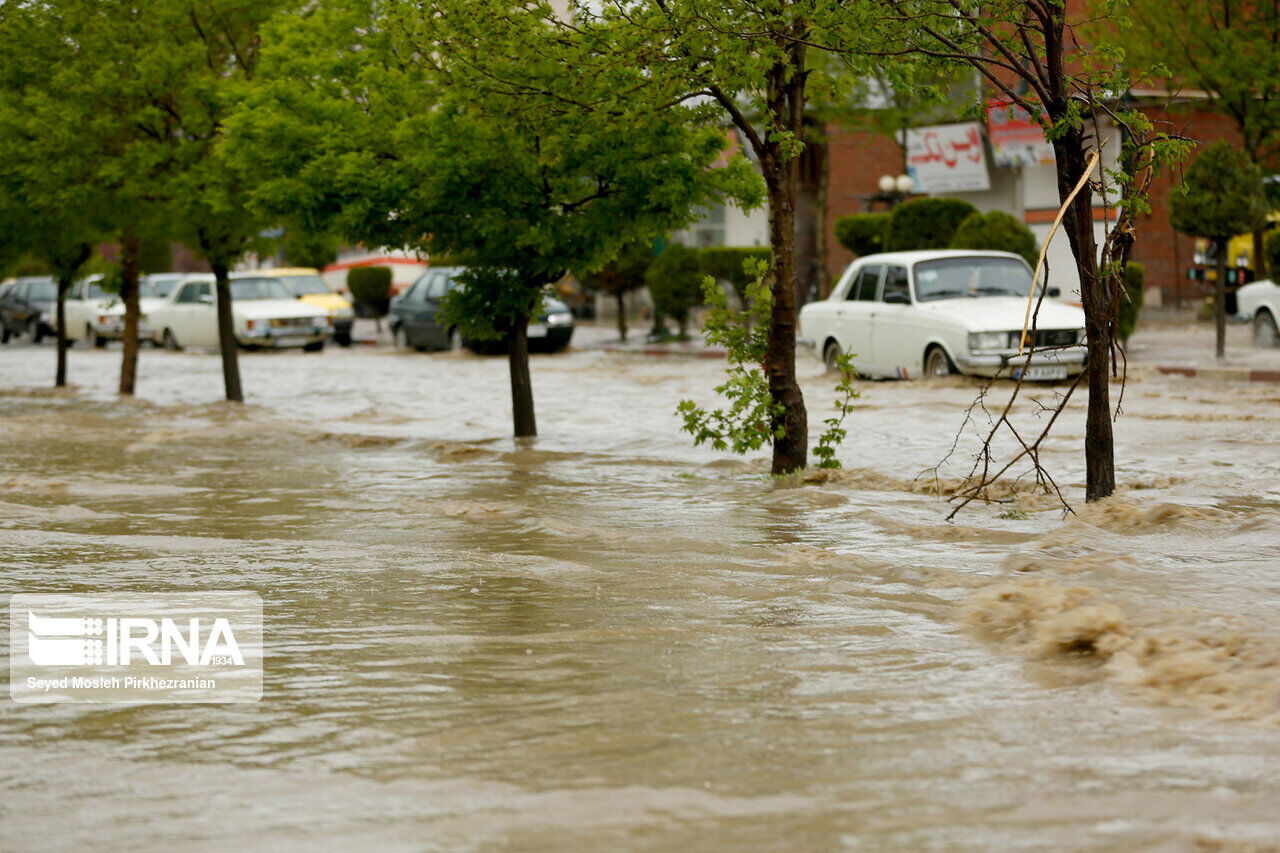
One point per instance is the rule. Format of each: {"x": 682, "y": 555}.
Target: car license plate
{"x": 1034, "y": 373}
{"x": 291, "y": 341}
{"x": 537, "y": 330}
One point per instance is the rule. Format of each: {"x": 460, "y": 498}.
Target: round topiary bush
{"x": 998, "y": 232}
{"x": 925, "y": 223}
{"x": 862, "y": 233}
{"x": 1135, "y": 276}
{"x": 370, "y": 290}
{"x": 675, "y": 283}
{"x": 1271, "y": 254}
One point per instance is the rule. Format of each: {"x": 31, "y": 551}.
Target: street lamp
{"x": 894, "y": 189}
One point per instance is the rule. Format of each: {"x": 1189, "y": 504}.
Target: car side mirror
{"x": 1055, "y": 292}
{"x": 897, "y": 299}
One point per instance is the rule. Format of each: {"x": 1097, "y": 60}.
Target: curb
{"x": 1222, "y": 374}
{"x": 686, "y": 353}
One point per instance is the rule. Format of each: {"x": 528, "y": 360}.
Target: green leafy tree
{"x": 675, "y": 283}
{"x": 1228, "y": 49}
{"x": 1223, "y": 197}
{"x": 310, "y": 249}
{"x": 624, "y": 274}
{"x": 50, "y": 199}
{"x": 406, "y": 141}
{"x": 925, "y": 223}
{"x": 996, "y": 231}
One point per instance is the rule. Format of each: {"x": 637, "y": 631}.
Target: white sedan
{"x": 263, "y": 311}
{"x": 96, "y": 316}
{"x": 932, "y": 313}
{"x": 1259, "y": 303}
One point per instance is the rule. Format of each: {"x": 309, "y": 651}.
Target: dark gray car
{"x": 414, "y": 321}
{"x": 27, "y": 306}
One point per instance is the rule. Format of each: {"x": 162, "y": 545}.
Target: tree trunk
{"x": 1099, "y": 441}
{"x": 622, "y": 315}
{"x": 521, "y": 386}
{"x": 1220, "y": 302}
{"x": 60, "y": 376}
{"x": 129, "y": 296}
{"x": 227, "y": 336}
{"x": 1260, "y": 270}
{"x": 791, "y": 448}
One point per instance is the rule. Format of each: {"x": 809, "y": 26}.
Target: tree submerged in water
{"x": 748, "y": 422}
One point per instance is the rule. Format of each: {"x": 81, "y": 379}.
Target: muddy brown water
{"x": 608, "y": 639}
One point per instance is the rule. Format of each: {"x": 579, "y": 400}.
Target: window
{"x": 257, "y": 288}
{"x": 865, "y": 285}
{"x": 708, "y": 230}
{"x": 972, "y": 277}
{"x": 437, "y": 286}
{"x": 895, "y": 281}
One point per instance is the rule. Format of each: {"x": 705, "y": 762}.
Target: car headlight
{"x": 980, "y": 341}
{"x": 564, "y": 318}
{"x": 256, "y": 325}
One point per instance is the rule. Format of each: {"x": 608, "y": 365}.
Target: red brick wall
{"x": 856, "y": 162}
{"x": 1165, "y": 253}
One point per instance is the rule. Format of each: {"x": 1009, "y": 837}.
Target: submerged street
{"x": 606, "y": 637}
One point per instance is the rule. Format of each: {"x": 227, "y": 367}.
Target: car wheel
{"x": 342, "y": 339}
{"x": 831, "y": 356}
{"x": 397, "y": 336}
{"x": 938, "y": 363}
{"x": 171, "y": 342}
{"x": 92, "y": 336}
{"x": 1265, "y": 333}
{"x": 33, "y": 329}
{"x": 455, "y": 340}
{"x": 318, "y": 346}
{"x": 4, "y": 334}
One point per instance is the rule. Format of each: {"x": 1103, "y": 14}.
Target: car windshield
{"x": 955, "y": 278}
{"x": 259, "y": 288}
{"x": 43, "y": 291}
{"x": 162, "y": 287}
{"x": 93, "y": 290}
{"x": 304, "y": 285}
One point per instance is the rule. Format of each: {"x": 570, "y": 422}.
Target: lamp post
{"x": 894, "y": 189}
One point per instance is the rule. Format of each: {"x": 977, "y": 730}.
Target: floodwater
{"x": 605, "y": 638}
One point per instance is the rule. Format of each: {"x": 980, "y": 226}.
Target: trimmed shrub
{"x": 863, "y": 233}
{"x": 675, "y": 283}
{"x": 925, "y": 223}
{"x": 1271, "y": 254}
{"x": 370, "y": 290}
{"x": 729, "y": 264}
{"x": 1135, "y": 276}
{"x": 997, "y": 232}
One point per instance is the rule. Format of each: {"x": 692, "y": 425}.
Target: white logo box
{"x": 135, "y": 648}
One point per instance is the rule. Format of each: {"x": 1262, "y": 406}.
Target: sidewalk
{"x": 1183, "y": 347}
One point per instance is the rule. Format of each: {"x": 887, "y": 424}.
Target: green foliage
{"x": 863, "y": 233}
{"x": 835, "y": 432}
{"x": 155, "y": 253}
{"x": 1223, "y": 195}
{"x": 746, "y": 424}
{"x": 622, "y": 274}
{"x": 1127, "y": 314}
{"x": 996, "y": 231}
{"x": 674, "y": 280}
{"x": 1271, "y": 251}
{"x": 734, "y": 265}
{"x": 369, "y": 285}
{"x": 925, "y": 223}
{"x": 310, "y": 249}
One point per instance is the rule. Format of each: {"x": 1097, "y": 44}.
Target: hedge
{"x": 371, "y": 288}
{"x": 925, "y": 223}
{"x": 863, "y": 233}
{"x": 996, "y": 231}
{"x": 1135, "y": 275}
{"x": 724, "y": 263}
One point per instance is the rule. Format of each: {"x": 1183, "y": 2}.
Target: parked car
{"x": 414, "y": 322}
{"x": 96, "y": 316}
{"x": 1259, "y": 303}
{"x": 264, "y": 314}
{"x": 161, "y": 284}
{"x": 27, "y": 307}
{"x": 309, "y": 286}
{"x": 933, "y": 313}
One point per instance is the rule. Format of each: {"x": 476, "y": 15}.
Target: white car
{"x": 264, "y": 314}
{"x": 96, "y": 316}
{"x": 932, "y": 313}
{"x": 1259, "y": 303}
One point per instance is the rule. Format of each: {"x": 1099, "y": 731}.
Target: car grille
{"x": 292, "y": 323}
{"x": 1048, "y": 338}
